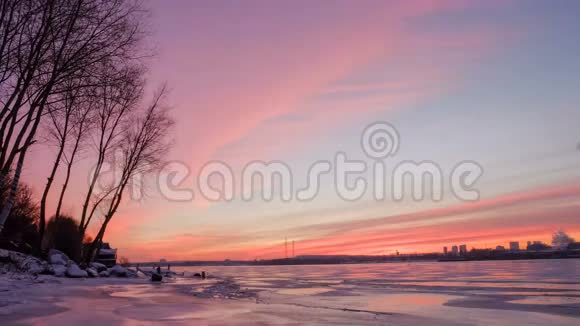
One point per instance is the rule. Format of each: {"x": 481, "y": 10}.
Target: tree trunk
{"x": 13, "y": 190}
{"x": 83, "y": 225}
{"x": 112, "y": 210}
{"x": 90, "y": 255}
{"x": 68, "y": 170}
{"x": 63, "y": 190}
{"x": 42, "y": 221}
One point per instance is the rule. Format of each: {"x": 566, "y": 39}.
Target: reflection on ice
{"x": 304, "y": 291}
{"x": 408, "y": 302}
{"x": 547, "y": 300}
{"x": 514, "y": 290}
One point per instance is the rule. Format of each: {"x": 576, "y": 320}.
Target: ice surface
{"x": 459, "y": 293}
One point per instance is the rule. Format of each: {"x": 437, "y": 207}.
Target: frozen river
{"x": 505, "y": 292}
{"x": 538, "y": 292}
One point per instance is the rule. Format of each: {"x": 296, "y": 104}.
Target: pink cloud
{"x": 234, "y": 77}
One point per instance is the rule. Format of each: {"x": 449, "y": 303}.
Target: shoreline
{"x": 300, "y": 262}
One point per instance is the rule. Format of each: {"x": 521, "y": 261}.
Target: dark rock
{"x": 56, "y": 257}
{"x": 118, "y": 271}
{"x": 59, "y": 270}
{"x": 98, "y": 267}
{"x": 92, "y": 273}
{"x": 73, "y": 270}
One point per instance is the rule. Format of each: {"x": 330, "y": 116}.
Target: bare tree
{"x": 115, "y": 102}
{"x": 69, "y": 118}
{"x": 45, "y": 44}
{"x": 561, "y": 240}
{"x": 13, "y": 18}
{"x": 145, "y": 143}
{"x": 83, "y": 122}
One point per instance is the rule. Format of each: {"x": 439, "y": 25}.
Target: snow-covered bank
{"x": 15, "y": 262}
{"x": 23, "y": 266}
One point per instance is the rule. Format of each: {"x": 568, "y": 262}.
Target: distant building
{"x": 500, "y": 248}
{"x": 481, "y": 253}
{"x": 463, "y": 249}
{"x": 163, "y": 261}
{"x": 106, "y": 255}
{"x": 537, "y": 246}
{"x": 445, "y": 251}
{"x": 454, "y": 251}
{"x": 574, "y": 246}
{"x": 514, "y": 246}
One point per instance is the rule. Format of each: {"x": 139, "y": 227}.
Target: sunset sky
{"x": 495, "y": 82}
